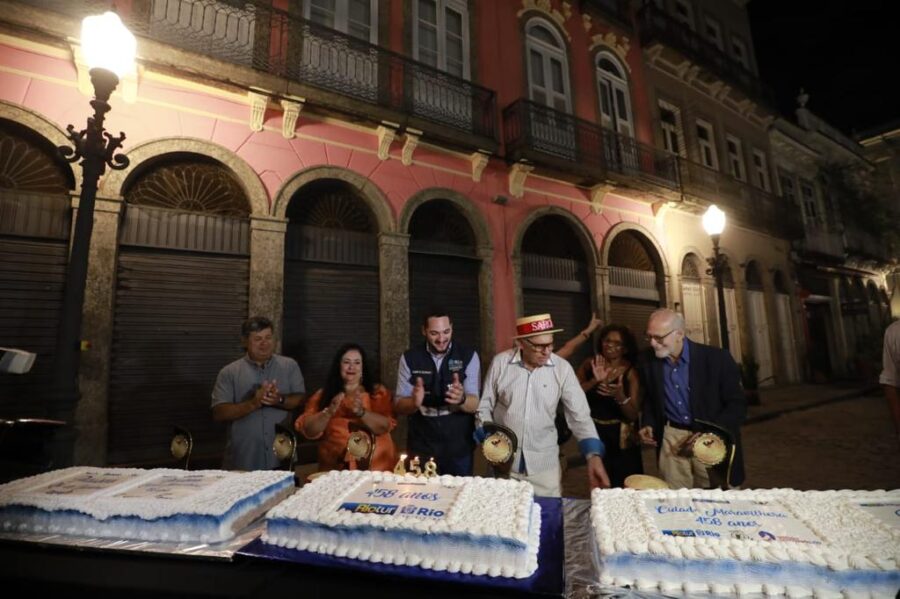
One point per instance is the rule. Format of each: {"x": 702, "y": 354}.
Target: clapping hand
{"x": 419, "y": 392}
{"x": 268, "y": 394}
{"x": 455, "y": 393}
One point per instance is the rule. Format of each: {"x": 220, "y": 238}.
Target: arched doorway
{"x": 692, "y": 298}
{"x": 443, "y": 271}
{"x": 555, "y": 277}
{"x": 636, "y": 281}
{"x": 181, "y": 294}
{"x": 331, "y": 288}
{"x": 35, "y": 218}
{"x": 786, "y": 328}
{"x": 758, "y": 321}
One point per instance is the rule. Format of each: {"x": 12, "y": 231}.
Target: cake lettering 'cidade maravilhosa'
{"x": 774, "y": 542}
{"x": 149, "y": 505}
{"x": 475, "y": 526}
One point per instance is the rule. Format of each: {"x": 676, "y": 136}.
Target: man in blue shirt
{"x": 437, "y": 386}
{"x": 253, "y": 394}
{"x": 687, "y": 386}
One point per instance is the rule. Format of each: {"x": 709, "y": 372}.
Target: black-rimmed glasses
{"x": 657, "y": 338}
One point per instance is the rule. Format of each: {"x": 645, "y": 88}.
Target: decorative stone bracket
{"x": 387, "y": 132}
{"x": 292, "y": 109}
{"x": 479, "y": 161}
{"x": 409, "y": 145}
{"x": 517, "y": 175}
{"x": 259, "y": 100}
{"x": 598, "y": 194}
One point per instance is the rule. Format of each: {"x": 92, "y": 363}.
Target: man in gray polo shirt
{"x": 253, "y": 394}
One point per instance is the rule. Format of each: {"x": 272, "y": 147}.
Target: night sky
{"x": 844, "y": 53}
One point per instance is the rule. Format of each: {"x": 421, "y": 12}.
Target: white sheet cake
{"x": 475, "y": 526}
{"x": 764, "y": 542}
{"x": 149, "y": 505}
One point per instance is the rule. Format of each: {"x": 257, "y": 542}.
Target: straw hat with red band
{"x": 531, "y": 326}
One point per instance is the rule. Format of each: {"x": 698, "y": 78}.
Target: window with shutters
{"x": 548, "y": 70}
{"x": 670, "y": 123}
{"x": 358, "y": 18}
{"x": 739, "y": 52}
{"x": 735, "y": 152}
{"x": 441, "y": 35}
{"x": 714, "y": 32}
{"x": 707, "y": 144}
{"x": 615, "y": 99}
{"x": 684, "y": 13}
{"x": 760, "y": 170}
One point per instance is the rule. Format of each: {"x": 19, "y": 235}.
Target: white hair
{"x": 676, "y": 318}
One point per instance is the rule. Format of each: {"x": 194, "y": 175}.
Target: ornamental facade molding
{"x": 544, "y": 6}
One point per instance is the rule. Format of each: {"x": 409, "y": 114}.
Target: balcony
{"x": 554, "y": 139}
{"x": 657, "y": 26}
{"x": 866, "y": 245}
{"x": 626, "y": 156}
{"x": 584, "y": 150}
{"x": 251, "y": 34}
{"x": 747, "y": 205}
{"x": 818, "y": 240}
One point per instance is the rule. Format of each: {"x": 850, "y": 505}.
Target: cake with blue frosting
{"x": 480, "y": 526}
{"x": 774, "y": 542}
{"x": 205, "y": 506}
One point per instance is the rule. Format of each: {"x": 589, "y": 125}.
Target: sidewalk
{"x": 791, "y": 398}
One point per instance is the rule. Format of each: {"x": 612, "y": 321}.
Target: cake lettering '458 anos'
{"x": 822, "y": 544}
{"x": 480, "y": 526}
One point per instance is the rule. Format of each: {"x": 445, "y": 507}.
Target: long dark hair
{"x": 629, "y": 343}
{"x": 334, "y": 384}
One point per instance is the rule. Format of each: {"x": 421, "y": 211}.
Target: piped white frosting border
{"x": 215, "y": 499}
{"x": 852, "y": 539}
{"x": 484, "y": 507}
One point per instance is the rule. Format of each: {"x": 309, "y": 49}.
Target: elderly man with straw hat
{"x": 522, "y": 390}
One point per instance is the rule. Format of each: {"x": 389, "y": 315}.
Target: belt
{"x": 606, "y": 422}
{"x": 679, "y": 426}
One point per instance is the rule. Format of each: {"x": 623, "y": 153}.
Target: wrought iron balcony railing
{"x": 540, "y": 134}
{"x": 567, "y": 143}
{"x": 819, "y": 240}
{"x": 252, "y": 34}
{"x": 627, "y": 156}
{"x": 866, "y": 245}
{"x": 656, "y": 25}
{"x": 747, "y": 205}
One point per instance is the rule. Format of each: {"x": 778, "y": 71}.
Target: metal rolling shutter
{"x": 632, "y": 313}
{"x": 451, "y": 283}
{"x": 558, "y": 286}
{"x": 32, "y": 277}
{"x": 327, "y": 305}
{"x": 177, "y": 319}
{"x": 176, "y": 325}
{"x": 34, "y": 232}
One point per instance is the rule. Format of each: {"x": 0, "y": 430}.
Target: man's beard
{"x": 434, "y": 350}
{"x": 663, "y": 352}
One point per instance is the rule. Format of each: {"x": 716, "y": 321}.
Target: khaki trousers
{"x": 546, "y": 483}
{"x": 680, "y": 472}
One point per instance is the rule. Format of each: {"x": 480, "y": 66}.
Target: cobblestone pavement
{"x": 847, "y": 443}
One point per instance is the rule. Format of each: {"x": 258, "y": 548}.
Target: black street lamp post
{"x": 714, "y": 224}
{"x": 96, "y": 149}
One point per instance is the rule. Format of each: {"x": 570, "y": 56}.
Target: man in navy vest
{"x": 437, "y": 386}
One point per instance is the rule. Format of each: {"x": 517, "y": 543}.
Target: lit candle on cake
{"x": 400, "y": 468}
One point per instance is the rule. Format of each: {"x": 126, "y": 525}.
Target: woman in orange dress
{"x": 349, "y": 397}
